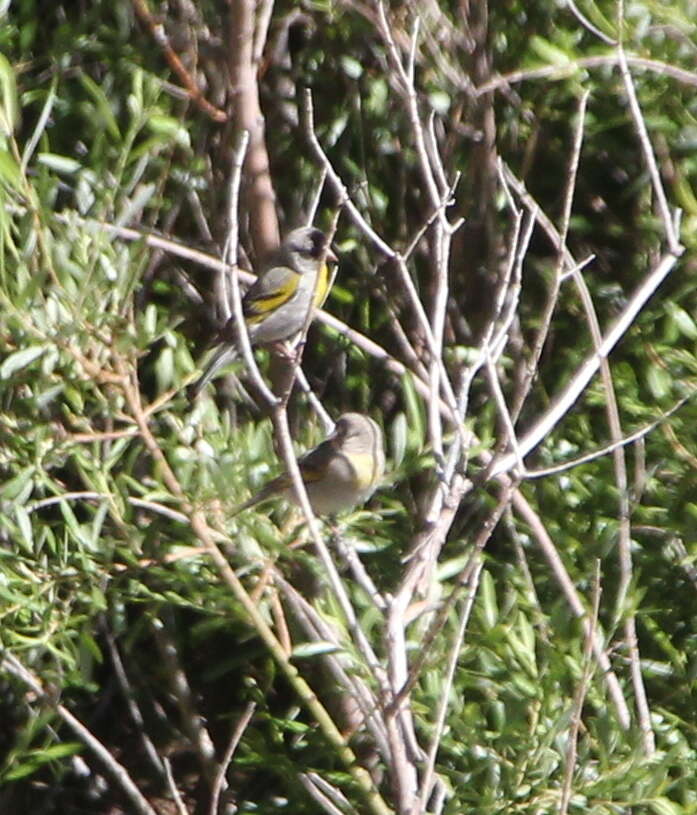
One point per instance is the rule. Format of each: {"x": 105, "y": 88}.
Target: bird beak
{"x": 330, "y": 257}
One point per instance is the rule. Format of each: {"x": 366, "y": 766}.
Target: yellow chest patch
{"x": 322, "y": 286}
{"x": 364, "y": 468}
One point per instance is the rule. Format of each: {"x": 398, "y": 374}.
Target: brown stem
{"x": 158, "y": 33}
{"x": 260, "y": 198}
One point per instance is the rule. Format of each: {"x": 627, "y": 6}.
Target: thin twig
{"x": 668, "y": 226}
{"x": 240, "y": 324}
{"x": 158, "y": 33}
{"x": 131, "y": 704}
{"x": 557, "y": 71}
{"x": 237, "y": 732}
{"x": 421, "y": 657}
{"x": 385, "y": 248}
{"x": 192, "y": 722}
{"x": 464, "y": 615}
{"x": 641, "y": 433}
{"x": 546, "y": 544}
{"x": 325, "y": 794}
{"x": 550, "y": 304}
{"x": 176, "y": 795}
{"x": 340, "y": 665}
{"x": 586, "y": 23}
{"x": 580, "y": 695}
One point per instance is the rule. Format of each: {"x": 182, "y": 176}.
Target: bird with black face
{"x": 340, "y": 473}
{"x": 295, "y": 279}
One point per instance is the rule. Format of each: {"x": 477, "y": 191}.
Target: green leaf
{"x": 103, "y": 106}
{"x": 659, "y": 381}
{"x": 24, "y": 523}
{"x": 487, "y": 599}
{"x": 9, "y": 105}
{"x": 549, "y": 52}
{"x": 20, "y": 359}
{"x": 415, "y": 414}
{"x": 683, "y": 320}
{"x": 35, "y": 759}
{"x": 169, "y": 127}
{"x": 20, "y": 487}
{"x": 61, "y": 164}
{"x": 312, "y": 649}
{"x": 398, "y": 438}
{"x": 352, "y": 67}
{"x": 9, "y": 170}
{"x": 664, "y": 806}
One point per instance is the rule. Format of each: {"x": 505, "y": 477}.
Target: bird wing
{"x": 313, "y": 465}
{"x": 271, "y": 290}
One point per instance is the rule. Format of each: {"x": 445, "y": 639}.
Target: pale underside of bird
{"x": 339, "y": 474}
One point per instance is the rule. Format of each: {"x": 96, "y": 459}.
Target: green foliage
{"x": 97, "y": 554}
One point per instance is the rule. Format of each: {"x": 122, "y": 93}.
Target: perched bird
{"x": 294, "y": 279}
{"x": 342, "y": 471}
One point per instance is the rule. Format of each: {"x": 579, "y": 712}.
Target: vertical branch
{"x": 674, "y": 246}
{"x": 260, "y": 198}
{"x": 231, "y": 272}
{"x": 237, "y": 733}
{"x": 580, "y": 696}
{"x": 475, "y": 13}
{"x": 562, "y": 577}
{"x": 466, "y": 610}
{"x": 441, "y": 236}
{"x": 192, "y": 723}
{"x": 553, "y": 293}
{"x": 672, "y": 237}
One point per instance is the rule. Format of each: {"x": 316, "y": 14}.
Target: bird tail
{"x": 223, "y": 356}
{"x": 267, "y": 491}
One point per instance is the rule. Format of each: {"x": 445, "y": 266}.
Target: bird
{"x": 341, "y": 472}
{"x": 295, "y": 278}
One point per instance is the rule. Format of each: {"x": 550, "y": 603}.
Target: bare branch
{"x": 641, "y": 433}
{"x": 587, "y": 370}
{"x": 544, "y": 541}
{"x": 553, "y": 293}
{"x": 580, "y": 695}
{"x": 237, "y": 733}
{"x": 176, "y": 795}
{"x": 464, "y": 615}
{"x": 192, "y": 723}
{"x": 563, "y": 71}
{"x": 672, "y": 238}
{"x": 193, "y": 91}
{"x": 260, "y": 198}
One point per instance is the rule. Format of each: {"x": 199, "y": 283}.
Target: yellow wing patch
{"x": 260, "y": 307}
{"x": 275, "y": 291}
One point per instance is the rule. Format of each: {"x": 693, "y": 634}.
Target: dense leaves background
{"x": 97, "y": 136}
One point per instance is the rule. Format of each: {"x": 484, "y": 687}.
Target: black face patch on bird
{"x": 310, "y": 244}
